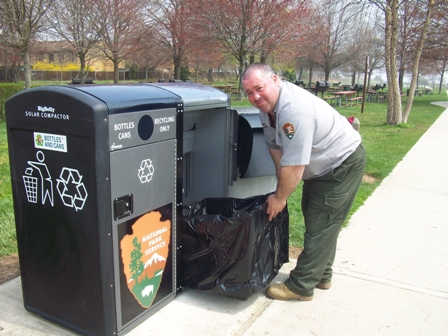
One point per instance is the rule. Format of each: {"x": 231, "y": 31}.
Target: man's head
{"x": 262, "y": 86}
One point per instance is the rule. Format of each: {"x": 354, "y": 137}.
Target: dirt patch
{"x": 294, "y": 252}
{"x": 9, "y": 268}
{"x": 369, "y": 179}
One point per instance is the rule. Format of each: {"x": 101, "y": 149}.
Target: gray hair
{"x": 265, "y": 70}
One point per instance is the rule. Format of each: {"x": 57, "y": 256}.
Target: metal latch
{"x": 123, "y": 206}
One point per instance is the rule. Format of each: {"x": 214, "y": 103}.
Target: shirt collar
{"x": 276, "y": 108}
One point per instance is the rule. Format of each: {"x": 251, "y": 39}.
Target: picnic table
{"x": 376, "y": 96}
{"x": 416, "y": 92}
{"x": 346, "y": 94}
{"x": 230, "y": 89}
{"x": 372, "y": 95}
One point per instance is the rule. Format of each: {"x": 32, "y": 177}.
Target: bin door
{"x": 234, "y": 133}
{"x": 254, "y": 158}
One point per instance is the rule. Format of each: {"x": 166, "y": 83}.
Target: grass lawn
{"x": 8, "y": 243}
{"x": 386, "y": 145}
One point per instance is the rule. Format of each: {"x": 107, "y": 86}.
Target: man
{"x": 308, "y": 140}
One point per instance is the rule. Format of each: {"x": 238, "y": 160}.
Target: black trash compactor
{"x": 101, "y": 175}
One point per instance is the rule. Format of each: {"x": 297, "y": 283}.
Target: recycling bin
{"x": 100, "y": 175}
{"x": 95, "y": 185}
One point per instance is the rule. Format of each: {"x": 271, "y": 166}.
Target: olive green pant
{"x": 326, "y": 202}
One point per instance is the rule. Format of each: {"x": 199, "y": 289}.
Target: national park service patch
{"x": 288, "y": 129}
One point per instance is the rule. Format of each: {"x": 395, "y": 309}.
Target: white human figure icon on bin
{"x": 43, "y": 179}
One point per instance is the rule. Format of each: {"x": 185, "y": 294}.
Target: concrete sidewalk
{"x": 390, "y": 271}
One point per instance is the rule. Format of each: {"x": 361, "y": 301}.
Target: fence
{"x": 67, "y": 76}
{"x": 142, "y": 76}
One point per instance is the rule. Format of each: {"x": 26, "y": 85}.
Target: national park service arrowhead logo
{"x": 144, "y": 254}
{"x": 288, "y": 128}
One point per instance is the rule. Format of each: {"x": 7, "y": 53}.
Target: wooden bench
{"x": 381, "y": 98}
{"x": 329, "y": 98}
{"x": 351, "y": 100}
{"x": 78, "y": 81}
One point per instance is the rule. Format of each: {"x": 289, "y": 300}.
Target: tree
{"x": 171, "y": 19}
{"x": 124, "y": 26}
{"x": 391, "y": 11}
{"x": 374, "y": 48}
{"x": 368, "y": 41}
{"x": 411, "y": 20}
{"x": 282, "y": 37}
{"x": 148, "y": 57}
{"x": 246, "y": 27}
{"x": 435, "y": 52}
{"x": 78, "y": 23}
{"x": 306, "y": 51}
{"x": 205, "y": 54}
{"x": 418, "y": 51}
{"x": 21, "y": 22}
{"x": 337, "y": 22}
{"x": 435, "y": 63}
{"x": 11, "y": 63}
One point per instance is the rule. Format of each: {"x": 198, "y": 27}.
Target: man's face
{"x": 261, "y": 92}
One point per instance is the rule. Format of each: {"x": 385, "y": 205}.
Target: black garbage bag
{"x": 231, "y": 248}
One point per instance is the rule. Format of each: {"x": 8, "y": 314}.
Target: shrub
{"x": 7, "y": 90}
{"x": 289, "y": 74}
{"x": 185, "y": 73}
{"x": 51, "y": 66}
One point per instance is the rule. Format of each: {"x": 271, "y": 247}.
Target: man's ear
{"x": 276, "y": 79}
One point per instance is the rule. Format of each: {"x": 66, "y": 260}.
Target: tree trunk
{"x": 82, "y": 61}
{"x": 210, "y": 75}
{"x": 369, "y": 78}
{"x": 116, "y": 73}
{"x": 401, "y": 69}
{"x": 416, "y": 58}
{"x": 242, "y": 60}
{"x": 196, "y": 73}
{"x": 263, "y": 57}
{"x": 441, "y": 76}
{"x": 401, "y": 78}
{"x": 310, "y": 77}
{"x": 27, "y": 67}
{"x": 394, "y": 116}
{"x": 300, "y": 73}
{"x": 176, "y": 71}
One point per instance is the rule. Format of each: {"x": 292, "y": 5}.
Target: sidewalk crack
{"x": 392, "y": 283}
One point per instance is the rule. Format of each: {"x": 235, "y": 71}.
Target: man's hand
{"x": 275, "y": 205}
{"x": 289, "y": 179}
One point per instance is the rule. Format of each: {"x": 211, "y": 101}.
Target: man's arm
{"x": 289, "y": 178}
{"x": 276, "y": 155}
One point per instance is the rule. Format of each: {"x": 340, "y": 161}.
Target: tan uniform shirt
{"x": 309, "y": 131}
